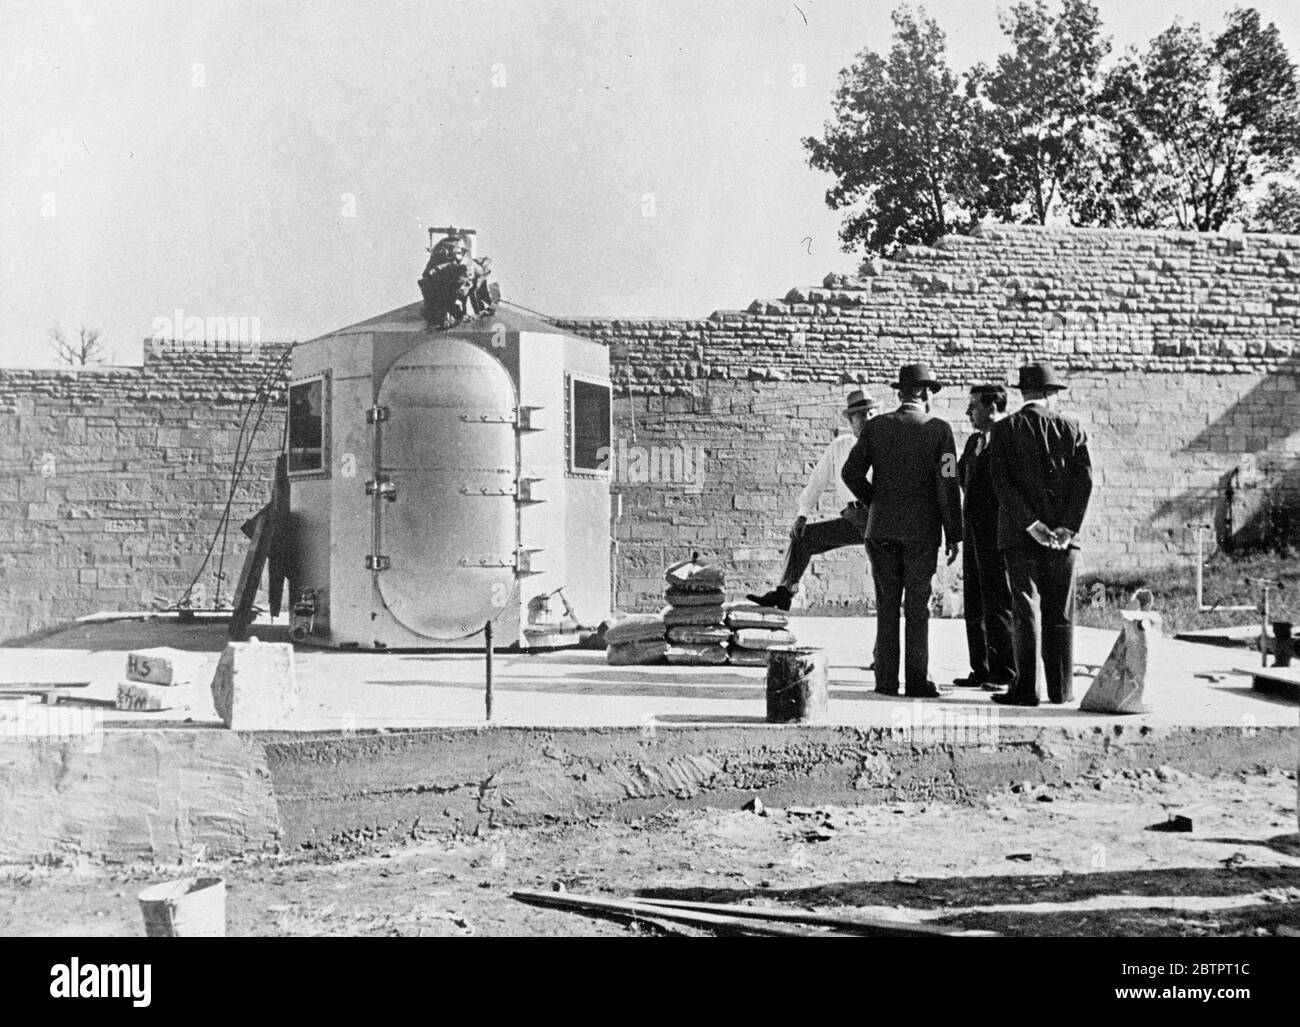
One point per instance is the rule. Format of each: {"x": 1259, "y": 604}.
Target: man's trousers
{"x": 902, "y": 573}
{"x": 817, "y": 538}
{"x": 986, "y": 599}
{"x": 1042, "y": 595}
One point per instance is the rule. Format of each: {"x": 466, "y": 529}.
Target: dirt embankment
{"x": 1075, "y": 858}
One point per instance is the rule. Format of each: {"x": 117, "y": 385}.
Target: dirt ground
{"x": 1064, "y": 860}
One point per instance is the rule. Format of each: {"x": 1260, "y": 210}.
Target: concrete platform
{"x": 1194, "y": 685}
{"x": 394, "y": 745}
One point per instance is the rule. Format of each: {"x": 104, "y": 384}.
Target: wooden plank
{"x": 892, "y": 928}
{"x": 50, "y": 692}
{"x": 626, "y": 910}
{"x": 35, "y": 687}
{"x": 250, "y": 575}
{"x": 279, "y": 553}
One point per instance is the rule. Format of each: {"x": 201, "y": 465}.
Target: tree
{"x": 83, "y": 350}
{"x": 1188, "y": 127}
{"x": 900, "y": 144}
{"x": 1039, "y": 103}
{"x": 1278, "y": 210}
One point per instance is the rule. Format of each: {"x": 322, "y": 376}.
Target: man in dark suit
{"x": 986, "y": 594}
{"x": 1042, "y": 475}
{"x": 913, "y": 495}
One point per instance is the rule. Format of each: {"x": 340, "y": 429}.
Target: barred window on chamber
{"x": 307, "y": 426}
{"x": 590, "y": 429}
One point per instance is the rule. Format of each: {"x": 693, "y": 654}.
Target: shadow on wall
{"x": 1253, "y": 502}
{"x": 1260, "y": 509}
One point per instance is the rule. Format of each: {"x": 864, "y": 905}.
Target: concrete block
{"x": 160, "y": 666}
{"x": 145, "y": 794}
{"x": 254, "y": 688}
{"x": 141, "y": 697}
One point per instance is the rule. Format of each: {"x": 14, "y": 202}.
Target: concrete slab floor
{"x": 1193, "y": 686}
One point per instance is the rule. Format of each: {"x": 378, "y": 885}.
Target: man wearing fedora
{"x": 1042, "y": 475}
{"x": 914, "y": 499}
{"x": 809, "y": 540}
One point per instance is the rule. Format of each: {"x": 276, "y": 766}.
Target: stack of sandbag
{"x": 693, "y": 617}
{"x": 754, "y": 630}
{"x": 636, "y": 638}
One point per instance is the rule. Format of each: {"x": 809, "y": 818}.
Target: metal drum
{"x": 448, "y": 452}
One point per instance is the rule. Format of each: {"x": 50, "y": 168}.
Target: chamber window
{"x": 589, "y": 426}
{"x": 307, "y": 426}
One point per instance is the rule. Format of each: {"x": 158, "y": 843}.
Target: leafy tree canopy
{"x": 1180, "y": 134}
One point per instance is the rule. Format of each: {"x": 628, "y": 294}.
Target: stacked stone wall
{"x": 1181, "y": 351}
{"x": 113, "y": 481}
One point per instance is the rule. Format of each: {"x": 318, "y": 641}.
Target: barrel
{"x": 194, "y": 907}
{"x": 1284, "y": 643}
{"x": 796, "y": 686}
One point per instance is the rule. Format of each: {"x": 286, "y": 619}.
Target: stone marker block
{"x": 144, "y": 698}
{"x": 254, "y": 688}
{"x": 154, "y": 666}
{"x": 1122, "y": 679}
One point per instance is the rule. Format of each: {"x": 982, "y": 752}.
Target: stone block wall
{"x": 113, "y": 480}
{"x": 1162, "y": 445}
{"x": 1181, "y": 350}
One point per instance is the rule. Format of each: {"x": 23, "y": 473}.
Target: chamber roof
{"x": 411, "y": 318}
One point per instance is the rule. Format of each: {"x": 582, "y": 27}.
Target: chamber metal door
{"x": 446, "y": 457}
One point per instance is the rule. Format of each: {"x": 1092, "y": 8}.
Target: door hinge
{"x": 524, "y": 421}
{"x": 377, "y": 563}
{"x": 521, "y": 491}
{"x": 524, "y": 561}
{"x": 382, "y": 487}
{"x": 376, "y": 414}
{"x": 520, "y": 417}
{"x": 521, "y": 563}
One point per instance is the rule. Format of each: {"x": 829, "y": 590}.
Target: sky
{"x": 282, "y": 161}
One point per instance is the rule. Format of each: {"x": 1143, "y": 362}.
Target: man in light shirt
{"x": 809, "y": 540}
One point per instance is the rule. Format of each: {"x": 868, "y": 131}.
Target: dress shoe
{"x": 1008, "y": 699}
{"x": 969, "y": 681}
{"x": 887, "y": 691}
{"x": 930, "y": 691}
{"x": 779, "y": 598}
{"x": 996, "y": 686}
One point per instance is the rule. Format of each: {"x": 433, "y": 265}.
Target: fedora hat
{"x": 1039, "y": 375}
{"x": 913, "y": 376}
{"x": 858, "y": 402}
